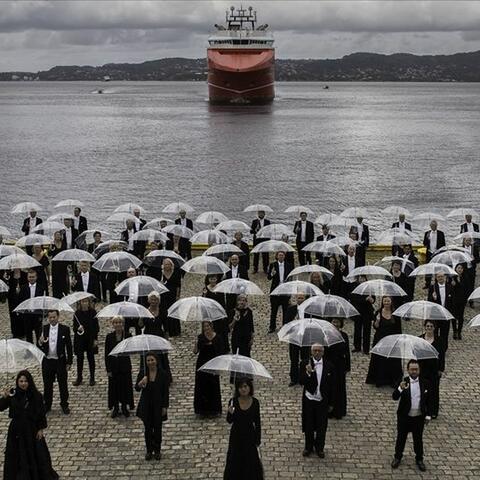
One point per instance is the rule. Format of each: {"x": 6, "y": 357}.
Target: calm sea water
{"x": 369, "y": 144}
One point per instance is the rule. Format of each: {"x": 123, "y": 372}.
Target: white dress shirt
{"x": 359, "y": 230}
{"x": 68, "y": 237}
{"x": 130, "y": 234}
{"x": 52, "y": 341}
{"x": 469, "y": 227}
{"x": 33, "y": 287}
{"x": 351, "y": 266}
{"x": 433, "y": 240}
{"x": 303, "y": 231}
{"x": 234, "y": 271}
{"x": 317, "y": 396}
{"x": 441, "y": 289}
{"x": 183, "y": 221}
{"x": 415, "y": 409}
{"x": 76, "y": 222}
{"x": 33, "y": 223}
{"x": 401, "y": 226}
{"x": 281, "y": 271}
{"x": 85, "y": 279}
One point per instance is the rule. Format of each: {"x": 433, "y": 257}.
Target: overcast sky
{"x": 40, "y": 34}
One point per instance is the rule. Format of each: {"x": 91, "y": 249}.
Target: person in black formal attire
{"x": 277, "y": 273}
{"x": 32, "y": 322}
{"x": 433, "y": 240}
{"x": 172, "y": 279}
{"x": 241, "y": 326}
{"x": 119, "y": 371}
{"x": 321, "y": 259}
{"x": 70, "y": 233}
{"x": 410, "y": 262}
{"x": 152, "y": 407}
{"x": 316, "y": 278}
{"x": 401, "y": 280}
{"x": 349, "y": 263}
{"x": 441, "y": 292}
{"x": 401, "y": 224}
{"x": 413, "y": 413}
{"x": 97, "y": 241}
{"x": 139, "y": 222}
{"x": 257, "y": 224}
{"x": 243, "y": 460}
{"x": 134, "y": 297}
{"x": 31, "y": 222}
{"x": 185, "y": 245}
{"x": 237, "y": 270}
{"x": 26, "y": 452}
{"x": 42, "y": 271}
{"x": 339, "y": 356}
{"x": 363, "y": 240}
{"x": 227, "y": 301}
{"x": 127, "y": 236}
{"x": 243, "y": 246}
{"x": 362, "y": 326}
{"x": 473, "y": 250}
{"x": 56, "y": 344}
{"x": 85, "y": 339}
{"x": 60, "y": 277}
{"x": 86, "y": 280}
{"x": 336, "y": 282}
{"x": 305, "y": 234}
{"x": 207, "y": 399}
{"x": 432, "y": 368}
{"x": 460, "y": 292}
{"x": 469, "y": 226}
{"x": 16, "y": 279}
{"x": 79, "y": 221}
{"x": 317, "y": 376}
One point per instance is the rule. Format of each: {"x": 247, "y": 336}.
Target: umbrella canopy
{"x": 298, "y": 209}
{"x": 69, "y": 203}
{"x": 470, "y": 235}
{"x": 76, "y": 297}
{"x": 3, "y": 287}
{"x": 328, "y": 219}
{"x": 462, "y": 212}
{"x": 178, "y": 230}
{"x": 74, "y": 255}
{"x": 236, "y": 364}
{"x": 307, "y": 331}
{"x": 150, "y": 235}
{"x": 124, "y": 309}
{"x": 155, "y": 258}
{"x": 309, "y": 269}
{"x": 110, "y": 245}
{"x": 396, "y": 236}
{"x": 48, "y": 227}
{"x": 18, "y": 355}
{"x": 211, "y": 217}
{"x": 60, "y": 217}
{"x": 326, "y": 248}
{"x": 475, "y": 295}
{"x": 387, "y": 261}
{"x": 433, "y": 268}
{"x": 427, "y": 217}
{"x": 43, "y": 304}
{"x": 18, "y": 260}
{"x": 210, "y": 237}
{"x": 344, "y": 241}
{"x": 369, "y": 271}
{"x": 355, "y": 212}
{"x": 295, "y": 287}
{"x": 205, "y": 266}
{"x": 157, "y": 222}
{"x": 238, "y": 286}
{"x": 143, "y": 285}
{"x": 223, "y": 251}
{"x": 272, "y": 246}
{"x": 395, "y": 210}
{"x": 116, "y": 262}
{"x": 275, "y": 231}
{"x": 197, "y": 309}
{"x": 475, "y": 321}
{"x": 140, "y": 344}
{"x": 32, "y": 239}
{"x": 379, "y": 288}
{"x": 258, "y": 207}
{"x": 423, "y": 310}
{"x": 233, "y": 226}
{"x": 86, "y": 238}
{"x": 177, "y": 207}
{"x": 6, "y": 250}
{"x": 404, "y": 346}
{"x": 121, "y": 217}
{"x": 129, "y": 208}
{"x": 26, "y": 207}
{"x": 327, "y": 306}
{"x": 452, "y": 258}
{"x": 4, "y": 232}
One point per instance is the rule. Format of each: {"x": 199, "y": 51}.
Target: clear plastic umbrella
{"x": 3, "y": 287}
{"x": 309, "y": 269}
{"x": 157, "y": 222}
{"x": 60, "y": 217}
{"x": 327, "y": 219}
{"x": 121, "y": 217}
{"x": 452, "y": 258}
{"x": 462, "y": 212}
{"x": 32, "y": 239}
{"x": 327, "y": 306}
{"x": 87, "y": 237}
{"x": 6, "y": 250}
{"x": 129, "y": 208}
{"x": 427, "y": 217}
{"x": 110, "y": 245}
{"x": 179, "y": 231}
{"x": 42, "y": 305}
{"x": 355, "y": 212}
{"x": 73, "y": 255}
{"x": 326, "y": 248}
{"x": 26, "y": 207}
{"x": 48, "y": 228}
{"x": 233, "y": 226}
{"x": 344, "y": 241}
{"x": 211, "y": 217}
{"x": 272, "y": 246}
{"x": 210, "y": 237}
{"x": 379, "y": 288}
{"x": 275, "y": 231}
{"x": 307, "y": 331}
{"x": 404, "y": 346}
{"x": 4, "y": 232}
{"x": 433, "y": 268}
{"x": 16, "y": 354}
{"x": 452, "y": 248}
{"x": 116, "y": 262}
{"x": 155, "y": 258}
{"x": 369, "y": 271}
{"x": 475, "y": 295}
{"x": 223, "y": 251}
{"x": 197, "y": 309}
{"x": 150, "y": 235}
{"x": 470, "y": 235}
{"x": 238, "y": 365}
{"x": 422, "y": 310}
{"x": 143, "y": 285}
{"x": 177, "y": 207}
{"x": 140, "y": 344}
{"x": 298, "y": 209}
{"x": 124, "y": 309}
{"x": 205, "y": 266}
{"x": 395, "y": 210}
{"x": 475, "y": 321}
{"x": 69, "y": 203}
{"x": 75, "y": 297}
{"x": 294, "y": 287}
{"x": 387, "y": 261}
{"x": 258, "y": 207}
{"x": 18, "y": 260}
{"x": 395, "y": 236}
{"x": 238, "y": 286}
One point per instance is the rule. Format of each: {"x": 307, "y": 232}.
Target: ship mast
{"x": 236, "y": 20}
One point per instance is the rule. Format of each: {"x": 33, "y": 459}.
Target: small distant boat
{"x": 99, "y": 91}
{"x": 326, "y": 87}
{"x": 106, "y": 78}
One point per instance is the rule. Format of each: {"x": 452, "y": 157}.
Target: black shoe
{"x": 148, "y": 456}
{"x": 321, "y": 454}
{"x": 115, "y": 413}
{"x": 306, "y": 453}
{"x": 292, "y": 384}
{"x": 395, "y": 462}
{"x": 459, "y": 336}
{"x": 125, "y": 411}
{"x": 421, "y": 466}
{"x": 92, "y": 382}
{"x": 77, "y": 382}
{"x": 66, "y": 410}
{"x": 355, "y": 350}
{"x": 157, "y": 456}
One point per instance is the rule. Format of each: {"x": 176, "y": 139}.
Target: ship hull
{"x": 241, "y": 77}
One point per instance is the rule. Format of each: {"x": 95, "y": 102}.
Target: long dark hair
{"x": 32, "y": 391}
{"x": 240, "y": 382}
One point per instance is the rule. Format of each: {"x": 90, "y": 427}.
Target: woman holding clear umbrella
{"x": 401, "y": 280}
{"x": 241, "y": 326}
{"x": 220, "y": 326}
{"x": 42, "y": 272}
{"x": 460, "y": 292}
{"x": 316, "y": 278}
{"x": 172, "y": 279}
{"x": 16, "y": 280}
{"x": 60, "y": 283}
{"x": 238, "y": 242}
{"x": 336, "y": 282}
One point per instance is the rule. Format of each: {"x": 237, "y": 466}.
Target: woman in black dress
{"x": 207, "y": 399}
{"x": 339, "y": 356}
{"x": 384, "y": 371}
{"x": 362, "y": 327}
{"x": 16, "y": 280}
{"x": 460, "y": 292}
{"x": 401, "y": 280}
{"x": 336, "y": 282}
{"x": 26, "y": 453}
{"x": 85, "y": 338}
{"x": 220, "y": 326}
{"x": 241, "y": 326}
{"x": 432, "y": 369}
{"x": 238, "y": 241}
{"x": 154, "y": 401}
{"x": 172, "y": 279}
{"x": 119, "y": 371}
{"x": 243, "y": 461}
{"x": 60, "y": 280}
{"x": 42, "y": 271}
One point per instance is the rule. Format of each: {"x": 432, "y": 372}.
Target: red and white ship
{"x": 241, "y": 61}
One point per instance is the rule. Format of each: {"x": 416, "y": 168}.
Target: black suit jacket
{"x": 405, "y": 397}
{"x": 26, "y": 224}
{"x": 93, "y": 284}
{"x": 74, "y": 237}
{"x": 25, "y": 291}
{"x": 276, "y": 278}
{"x": 408, "y": 270}
{"x": 358, "y": 262}
{"x": 82, "y": 224}
{"x": 64, "y": 343}
{"x": 142, "y": 223}
{"x": 440, "y": 240}
{"x": 463, "y": 227}
{"x": 407, "y": 225}
{"x": 327, "y": 383}
{"x": 448, "y": 295}
{"x": 188, "y": 223}
{"x": 309, "y": 231}
{"x": 242, "y": 272}
{"x": 255, "y": 227}
{"x": 365, "y": 238}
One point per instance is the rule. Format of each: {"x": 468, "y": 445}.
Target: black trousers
{"x": 91, "y": 363}
{"x": 296, "y": 354}
{"x": 316, "y": 423}
{"x": 404, "y": 426}
{"x": 457, "y": 322}
{"x": 256, "y": 256}
{"x": 54, "y": 369}
{"x": 277, "y": 301}
{"x": 443, "y": 329}
{"x": 32, "y": 323}
{"x": 362, "y": 328}
{"x": 303, "y": 257}
{"x": 153, "y": 435}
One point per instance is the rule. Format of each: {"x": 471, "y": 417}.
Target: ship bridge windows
{"x": 240, "y": 41}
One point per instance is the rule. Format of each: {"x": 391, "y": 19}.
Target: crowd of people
{"x": 321, "y": 370}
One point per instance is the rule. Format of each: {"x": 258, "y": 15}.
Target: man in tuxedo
{"x": 184, "y": 243}
{"x": 139, "y": 222}
{"x": 30, "y": 222}
{"x": 433, "y": 240}
{"x": 56, "y": 344}
{"x": 134, "y": 297}
{"x": 325, "y": 236}
{"x": 277, "y": 272}
{"x": 318, "y": 380}
{"x": 441, "y": 292}
{"x": 86, "y": 281}
{"x": 402, "y": 225}
{"x": 469, "y": 226}
{"x": 70, "y": 233}
{"x": 363, "y": 239}
{"x": 349, "y": 262}
{"x": 472, "y": 249}
{"x": 410, "y": 263}
{"x": 127, "y": 236}
{"x": 305, "y": 233}
{"x": 413, "y": 413}
{"x": 237, "y": 270}
{"x": 79, "y": 221}
{"x": 238, "y": 241}
{"x": 32, "y": 321}
{"x": 257, "y": 224}
{"x": 363, "y": 322}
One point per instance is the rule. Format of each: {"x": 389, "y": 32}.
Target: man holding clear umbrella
{"x": 32, "y": 322}
{"x": 325, "y": 236}
{"x": 305, "y": 233}
{"x": 70, "y": 233}
{"x": 277, "y": 272}
{"x": 86, "y": 281}
{"x": 184, "y": 243}
{"x": 433, "y": 240}
{"x": 79, "y": 221}
{"x": 469, "y": 226}
{"x": 31, "y": 222}
{"x": 257, "y": 224}
{"x": 409, "y": 263}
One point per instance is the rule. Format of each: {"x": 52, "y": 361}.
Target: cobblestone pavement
{"x": 88, "y": 444}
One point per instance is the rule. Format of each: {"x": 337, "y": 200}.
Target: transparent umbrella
{"x": 238, "y": 365}
{"x": 327, "y": 219}
{"x": 223, "y": 251}
{"x": 32, "y": 239}
{"x": 210, "y": 237}
{"x": 475, "y": 321}
{"x": 238, "y": 286}
{"x": 326, "y": 248}
{"x": 470, "y": 235}
{"x": 344, "y": 241}
{"x": 110, "y": 246}
{"x": 121, "y": 217}
{"x": 355, "y": 212}
{"x": 422, "y": 310}
{"x": 379, "y": 288}
{"x": 233, "y": 226}
{"x": 4, "y": 232}
{"x": 178, "y": 230}
{"x": 462, "y": 212}
{"x": 295, "y": 287}
{"x": 129, "y": 208}
{"x": 475, "y": 295}
{"x": 69, "y": 203}
{"x": 427, "y": 217}
{"x": 60, "y": 217}
{"x": 272, "y": 246}
{"x": 26, "y": 207}
{"x": 142, "y": 284}
{"x": 395, "y": 210}
{"x": 297, "y": 209}
{"x": 404, "y": 346}
{"x": 433, "y": 268}
{"x": 327, "y": 306}
{"x": 204, "y": 265}
{"x": 395, "y": 236}
{"x": 75, "y": 297}
{"x": 18, "y": 260}
{"x": 140, "y": 344}
{"x": 211, "y": 218}
{"x": 124, "y": 309}
{"x": 307, "y": 331}
{"x": 157, "y": 222}
{"x": 197, "y": 309}
{"x": 116, "y": 262}
{"x": 369, "y": 271}
{"x": 16, "y": 354}
{"x": 452, "y": 258}
{"x": 150, "y": 235}
{"x": 177, "y": 207}
{"x": 6, "y": 250}
{"x": 42, "y": 305}
{"x": 3, "y": 287}
{"x": 275, "y": 231}
{"x": 48, "y": 228}
{"x": 387, "y": 261}
{"x": 73, "y": 255}
{"x": 309, "y": 269}
{"x": 258, "y": 207}
{"x": 452, "y": 248}
{"x": 87, "y": 238}
{"x": 155, "y": 258}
